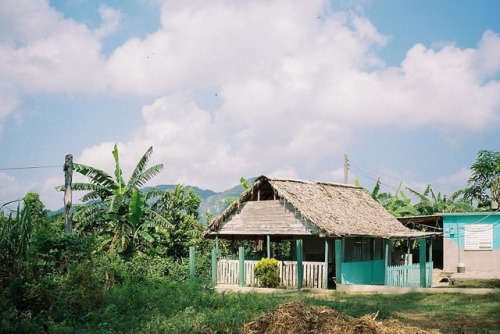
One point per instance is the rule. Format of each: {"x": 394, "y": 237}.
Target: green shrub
{"x": 267, "y": 272}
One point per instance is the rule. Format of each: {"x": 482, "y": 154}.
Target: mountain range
{"x": 212, "y": 203}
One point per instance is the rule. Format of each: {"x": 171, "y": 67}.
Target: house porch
{"x": 330, "y": 272}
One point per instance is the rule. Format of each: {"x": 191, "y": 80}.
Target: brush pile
{"x": 298, "y": 317}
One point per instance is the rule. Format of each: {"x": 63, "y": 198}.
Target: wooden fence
{"x": 408, "y": 275}
{"x": 313, "y": 273}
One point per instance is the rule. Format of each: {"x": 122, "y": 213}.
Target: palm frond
{"x": 91, "y": 196}
{"x": 154, "y": 218}
{"x": 105, "y": 244}
{"x": 244, "y": 183}
{"x": 120, "y": 183}
{"x": 433, "y": 195}
{"x": 135, "y": 208}
{"x": 404, "y": 197}
{"x": 115, "y": 203}
{"x": 376, "y": 190}
{"x": 153, "y": 193}
{"x": 95, "y": 175}
{"x": 422, "y": 197}
{"x": 88, "y": 216}
{"x": 144, "y": 234}
{"x": 139, "y": 168}
{"x": 96, "y": 191}
{"x": 456, "y": 194}
{"x": 144, "y": 177}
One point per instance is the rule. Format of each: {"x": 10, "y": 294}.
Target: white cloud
{"x": 49, "y": 196}
{"x": 265, "y": 58}
{"x": 289, "y": 89}
{"x": 453, "y": 182}
{"x": 486, "y": 59}
{"x": 333, "y": 175}
{"x": 110, "y": 18}
{"x": 443, "y": 89}
{"x": 9, "y": 101}
{"x": 42, "y": 51}
{"x": 220, "y": 43}
{"x": 13, "y": 188}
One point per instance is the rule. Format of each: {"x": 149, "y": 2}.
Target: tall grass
{"x": 158, "y": 306}
{"x": 162, "y": 306}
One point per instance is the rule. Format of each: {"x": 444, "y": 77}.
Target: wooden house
{"x": 335, "y": 231}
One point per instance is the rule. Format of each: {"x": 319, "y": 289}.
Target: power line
{"x": 374, "y": 178}
{"x": 374, "y": 171}
{"x": 30, "y": 167}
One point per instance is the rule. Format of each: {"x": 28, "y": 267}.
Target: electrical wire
{"x": 30, "y": 167}
{"x": 375, "y": 172}
{"x": 371, "y": 177}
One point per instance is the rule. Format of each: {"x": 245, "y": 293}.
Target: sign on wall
{"x": 478, "y": 236}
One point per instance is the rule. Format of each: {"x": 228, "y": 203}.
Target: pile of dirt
{"x": 298, "y": 317}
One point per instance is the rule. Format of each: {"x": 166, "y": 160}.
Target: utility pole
{"x": 346, "y": 169}
{"x": 68, "y": 179}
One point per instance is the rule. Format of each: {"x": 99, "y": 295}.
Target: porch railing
{"x": 313, "y": 273}
{"x": 408, "y": 275}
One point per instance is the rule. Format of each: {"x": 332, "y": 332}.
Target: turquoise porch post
{"x": 214, "y": 266}
{"x": 242, "y": 265}
{"x": 430, "y": 260}
{"x": 326, "y": 263}
{"x": 339, "y": 258}
{"x": 268, "y": 244}
{"x": 422, "y": 259}
{"x": 386, "y": 261}
{"x": 300, "y": 269}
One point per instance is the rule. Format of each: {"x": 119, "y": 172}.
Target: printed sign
{"x": 478, "y": 236}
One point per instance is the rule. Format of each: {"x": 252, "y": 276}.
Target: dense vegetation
{"x": 482, "y": 189}
{"x": 124, "y": 267}
{"x": 122, "y": 239}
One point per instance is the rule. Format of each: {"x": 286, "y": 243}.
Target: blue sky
{"x": 223, "y": 89}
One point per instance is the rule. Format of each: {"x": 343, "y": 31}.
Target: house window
{"x": 362, "y": 249}
{"x": 378, "y": 249}
{"x": 478, "y": 237}
{"x": 366, "y": 248}
{"x": 352, "y": 250}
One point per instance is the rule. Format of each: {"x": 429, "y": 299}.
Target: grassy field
{"x": 166, "y": 307}
{"x": 476, "y": 283}
{"x": 450, "y": 313}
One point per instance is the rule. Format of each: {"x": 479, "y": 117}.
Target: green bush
{"x": 267, "y": 272}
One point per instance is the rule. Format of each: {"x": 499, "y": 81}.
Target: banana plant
{"x": 17, "y": 229}
{"x": 115, "y": 209}
{"x": 430, "y": 202}
{"x": 398, "y": 205}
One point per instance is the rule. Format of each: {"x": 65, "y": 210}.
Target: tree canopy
{"x": 484, "y": 182}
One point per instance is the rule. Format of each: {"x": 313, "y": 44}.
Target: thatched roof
{"x": 331, "y": 209}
